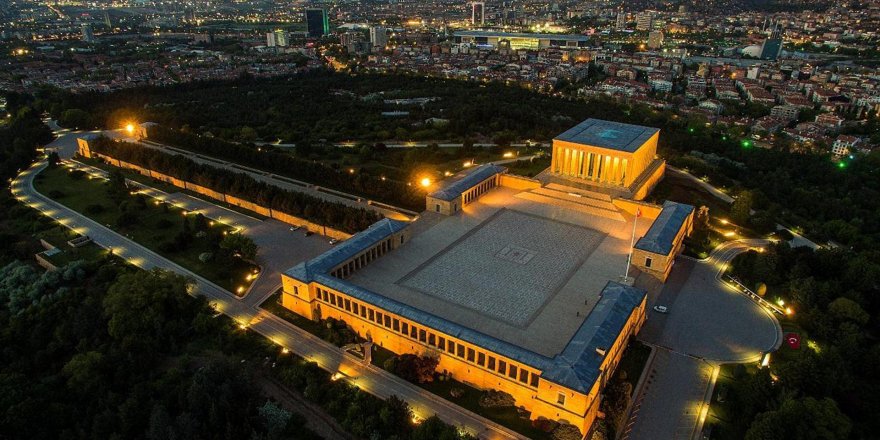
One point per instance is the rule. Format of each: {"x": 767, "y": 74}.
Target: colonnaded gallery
{"x": 514, "y": 284}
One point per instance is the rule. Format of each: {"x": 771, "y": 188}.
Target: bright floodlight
{"x": 129, "y": 128}
{"x": 426, "y": 182}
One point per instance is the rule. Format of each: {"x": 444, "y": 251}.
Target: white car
{"x": 334, "y": 240}
{"x": 661, "y": 309}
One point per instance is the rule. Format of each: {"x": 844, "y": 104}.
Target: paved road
{"x": 369, "y": 378}
{"x": 708, "y": 323}
{"x": 279, "y": 248}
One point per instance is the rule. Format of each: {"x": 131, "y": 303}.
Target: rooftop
{"x": 662, "y": 232}
{"x": 607, "y": 134}
{"x": 564, "y": 37}
{"x": 455, "y": 189}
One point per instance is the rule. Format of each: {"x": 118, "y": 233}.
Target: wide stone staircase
{"x": 576, "y": 199}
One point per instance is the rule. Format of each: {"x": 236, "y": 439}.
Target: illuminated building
{"x": 317, "y": 22}
{"x": 520, "y": 40}
{"x": 515, "y": 289}
{"x": 88, "y": 34}
{"x": 378, "y": 37}
{"x": 478, "y": 13}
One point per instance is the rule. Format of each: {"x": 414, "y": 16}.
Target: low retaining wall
{"x": 232, "y": 200}
{"x": 519, "y": 182}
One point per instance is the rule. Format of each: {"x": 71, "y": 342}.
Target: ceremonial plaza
{"x": 514, "y": 284}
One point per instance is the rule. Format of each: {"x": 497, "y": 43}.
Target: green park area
{"x": 208, "y": 248}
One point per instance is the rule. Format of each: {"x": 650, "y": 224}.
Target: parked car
{"x": 661, "y": 309}
{"x": 334, "y": 240}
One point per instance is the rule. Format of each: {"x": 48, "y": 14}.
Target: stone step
{"x": 584, "y": 192}
{"x": 575, "y": 197}
{"x": 568, "y": 204}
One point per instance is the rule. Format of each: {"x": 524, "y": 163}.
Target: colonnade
{"x": 590, "y": 165}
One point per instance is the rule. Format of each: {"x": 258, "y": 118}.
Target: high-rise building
{"x": 317, "y": 22}
{"x": 478, "y": 13}
{"x": 644, "y": 21}
{"x": 378, "y": 37}
{"x": 772, "y": 46}
{"x": 278, "y": 37}
{"x": 655, "y": 39}
{"x": 621, "y": 21}
{"x": 88, "y": 35}
{"x": 353, "y": 41}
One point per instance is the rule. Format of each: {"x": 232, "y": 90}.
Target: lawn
{"x": 529, "y": 168}
{"x": 152, "y": 224}
{"x": 167, "y": 187}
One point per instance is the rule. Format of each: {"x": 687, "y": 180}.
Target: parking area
{"x": 708, "y": 319}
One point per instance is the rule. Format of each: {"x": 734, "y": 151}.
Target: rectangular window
{"x": 372, "y": 315}
{"x": 326, "y": 296}
{"x": 295, "y": 291}
{"x": 432, "y": 340}
{"x": 423, "y": 336}
{"x": 396, "y": 325}
{"x": 481, "y": 359}
{"x": 404, "y": 328}
{"x": 333, "y": 299}
{"x": 354, "y": 308}
{"x": 648, "y": 262}
{"x": 502, "y": 366}
{"x": 560, "y": 399}
{"x": 451, "y": 347}
{"x": 379, "y": 318}
{"x": 491, "y": 364}
{"x": 534, "y": 381}
{"x": 470, "y": 354}
{"x": 523, "y": 376}
{"x": 511, "y": 372}
{"x": 441, "y": 343}
{"x": 387, "y": 321}
{"x": 460, "y": 352}
{"x": 347, "y": 305}
{"x": 413, "y": 332}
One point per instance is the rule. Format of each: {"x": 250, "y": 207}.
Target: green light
{"x": 841, "y": 165}
{"x": 746, "y": 144}
{"x": 723, "y": 138}
{"x": 691, "y": 130}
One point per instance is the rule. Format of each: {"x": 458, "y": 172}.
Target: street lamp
{"x": 130, "y": 129}
{"x": 426, "y": 182}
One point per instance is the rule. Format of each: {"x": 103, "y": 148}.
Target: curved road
{"x": 369, "y": 378}
{"x": 708, "y": 323}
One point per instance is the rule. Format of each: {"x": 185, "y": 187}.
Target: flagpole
{"x": 632, "y": 244}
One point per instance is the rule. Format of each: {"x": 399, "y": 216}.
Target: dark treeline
{"x": 802, "y": 189}
{"x": 309, "y": 107}
{"x": 829, "y": 390}
{"x": 103, "y": 350}
{"x": 363, "y": 184}
{"x": 334, "y": 215}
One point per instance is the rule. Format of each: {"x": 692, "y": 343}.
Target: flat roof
{"x": 459, "y": 186}
{"x": 608, "y": 134}
{"x": 564, "y": 37}
{"x": 661, "y": 235}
